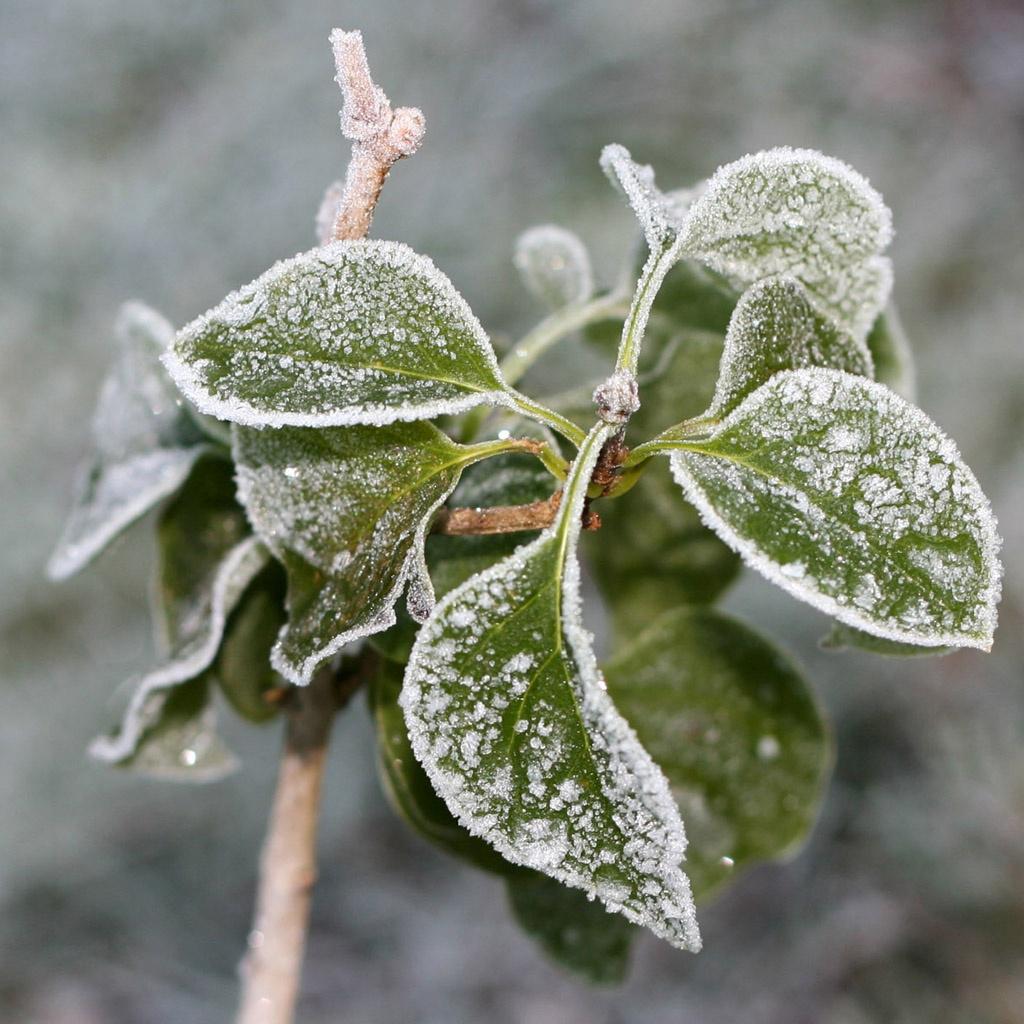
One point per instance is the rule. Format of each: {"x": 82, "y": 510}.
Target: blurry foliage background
{"x": 173, "y": 151}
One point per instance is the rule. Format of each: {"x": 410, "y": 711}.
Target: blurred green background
{"x": 171, "y": 152}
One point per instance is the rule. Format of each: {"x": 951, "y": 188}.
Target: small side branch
{"x": 380, "y": 137}
{"x": 475, "y": 522}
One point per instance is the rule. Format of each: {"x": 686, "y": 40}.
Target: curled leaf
{"x": 660, "y": 214}
{"x": 144, "y": 444}
{"x": 346, "y": 509}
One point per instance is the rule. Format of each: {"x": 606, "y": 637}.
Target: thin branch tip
{"x": 380, "y": 136}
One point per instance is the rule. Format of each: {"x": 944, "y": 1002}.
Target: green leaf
{"x": 357, "y": 332}
{"x": 195, "y": 533}
{"x": 511, "y": 479}
{"x": 510, "y": 718}
{"x": 733, "y": 725}
{"x": 796, "y": 212}
{"x": 773, "y": 328}
{"x": 206, "y": 563}
{"x": 181, "y": 743}
{"x": 842, "y": 638}
{"x": 242, "y": 669}
{"x": 652, "y": 553}
{"x": 575, "y": 932}
{"x": 407, "y": 786}
{"x": 890, "y": 350}
{"x": 851, "y": 499}
{"x": 144, "y": 444}
{"x": 554, "y": 265}
{"x": 346, "y": 509}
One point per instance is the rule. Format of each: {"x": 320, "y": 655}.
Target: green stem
{"x": 555, "y": 327}
{"x": 538, "y": 340}
{"x": 555, "y": 420}
{"x": 552, "y": 461}
{"x": 683, "y": 437}
{"x": 653, "y": 273}
{"x": 579, "y": 477}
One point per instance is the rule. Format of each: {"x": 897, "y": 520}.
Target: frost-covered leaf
{"x": 660, "y": 214}
{"x": 508, "y": 714}
{"x": 653, "y": 553}
{"x": 736, "y": 730}
{"x": 890, "y": 350}
{"x": 355, "y": 332}
{"x": 181, "y": 743}
{"x": 144, "y": 444}
{"x": 207, "y": 562}
{"x": 554, "y": 265}
{"x": 796, "y": 212}
{"x": 575, "y": 932}
{"x": 842, "y": 493}
{"x": 512, "y": 479}
{"x": 774, "y": 327}
{"x": 346, "y": 509}
{"x": 842, "y": 637}
{"x": 242, "y": 669}
{"x": 406, "y": 783}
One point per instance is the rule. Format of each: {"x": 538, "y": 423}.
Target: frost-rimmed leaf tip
{"x": 509, "y": 715}
{"x": 850, "y": 498}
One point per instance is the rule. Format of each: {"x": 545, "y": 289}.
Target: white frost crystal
{"x": 509, "y": 715}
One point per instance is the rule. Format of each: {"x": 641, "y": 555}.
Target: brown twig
{"x": 537, "y": 515}
{"x": 273, "y": 965}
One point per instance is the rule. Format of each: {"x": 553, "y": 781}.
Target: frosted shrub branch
{"x": 379, "y": 135}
